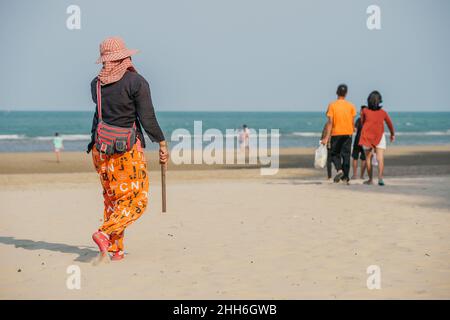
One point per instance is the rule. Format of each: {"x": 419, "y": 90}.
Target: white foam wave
{"x": 412, "y": 133}
{"x": 209, "y": 136}
{"x": 67, "y": 137}
{"x": 11, "y": 136}
{"x": 426, "y": 133}
{"x": 307, "y": 134}
{"x": 87, "y": 137}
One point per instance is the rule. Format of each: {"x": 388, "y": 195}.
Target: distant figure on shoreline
{"x": 358, "y": 151}
{"x": 244, "y": 135}
{"x": 340, "y": 115}
{"x": 373, "y": 138}
{"x": 58, "y": 146}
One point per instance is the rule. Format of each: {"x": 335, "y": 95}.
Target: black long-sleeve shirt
{"x": 125, "y": 102}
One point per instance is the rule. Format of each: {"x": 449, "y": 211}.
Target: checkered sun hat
{"x": 112, "y": 49}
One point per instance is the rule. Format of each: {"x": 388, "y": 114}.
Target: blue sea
{"x": 31, "y": 131}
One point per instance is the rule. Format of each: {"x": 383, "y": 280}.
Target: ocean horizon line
{"x": 234, "y": 111}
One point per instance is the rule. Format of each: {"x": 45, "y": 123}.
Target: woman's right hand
{"x": 392, "y": 138}
{"x": 163, "y": 153}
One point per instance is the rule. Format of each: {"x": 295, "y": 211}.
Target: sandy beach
{"x": 241, "y": 100}
{"x": 231, "y": 233}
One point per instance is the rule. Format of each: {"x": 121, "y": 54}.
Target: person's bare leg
{"x": 369, "y": 166}
{"x": 355, "y": 169}
{"x": 363, "y": 168}
{"x": 57, "y": 156}
{"x": 380, "y": 159}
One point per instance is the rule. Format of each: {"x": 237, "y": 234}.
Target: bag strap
{"x": 99, "y": 100}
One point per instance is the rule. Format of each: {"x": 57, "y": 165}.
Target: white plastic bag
{"x": 320, "y": 159}
{"x": 374, "y": 160}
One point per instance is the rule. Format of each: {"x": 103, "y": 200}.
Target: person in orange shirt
{"x": 340, "y": 128}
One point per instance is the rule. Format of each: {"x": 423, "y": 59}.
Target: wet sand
{"x": 402, "y": 160}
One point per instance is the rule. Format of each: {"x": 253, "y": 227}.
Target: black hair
{"x": 244, "y": 126}
{"x": 342, "y": 90}
{"x": 363, "y": 107}
{"x": 375, "y": 100}
{"x": 56, "y": 134}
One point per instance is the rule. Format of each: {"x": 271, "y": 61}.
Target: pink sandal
{"x": 102, "y": 241}
{"x": 118, "y": 255}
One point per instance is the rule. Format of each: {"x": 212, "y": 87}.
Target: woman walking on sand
{"x": 372, "y": 137}
{"x": 123, "y": 105}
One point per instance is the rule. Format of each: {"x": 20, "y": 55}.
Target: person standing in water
{"x": 244, "y": 135}
{"x": 358, "y": 152}
{"x": 373, "y": 138}
{"x": 123, "y": 105}
{"x": 340, "y": 115}
{"x": 58, "y": 146}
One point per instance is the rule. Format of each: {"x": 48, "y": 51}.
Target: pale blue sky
{"x": 286, "y": 55}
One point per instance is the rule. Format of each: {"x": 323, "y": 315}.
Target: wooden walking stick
{"x": 163, "y": 187}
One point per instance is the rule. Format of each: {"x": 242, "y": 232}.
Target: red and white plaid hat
{"x": 112, "y": 49}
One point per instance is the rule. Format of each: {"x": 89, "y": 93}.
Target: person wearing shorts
{"x": 373, "y": 138}
{"x": 58, "y": 146}
{"x": 358, "y": 152}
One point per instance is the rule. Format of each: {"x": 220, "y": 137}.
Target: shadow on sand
{"x": 432, "y": 194}
{"x": 85, "y": 254}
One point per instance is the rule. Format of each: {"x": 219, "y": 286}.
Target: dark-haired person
{"x": 124, "y": 105}
{"x": 58, "y": 146}
{"x": 373, "y": 138}
{"x": 340, "y": 115}
{"x": 358, "y": 151}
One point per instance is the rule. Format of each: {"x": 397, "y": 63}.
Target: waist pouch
{"x": 111, "y": 139}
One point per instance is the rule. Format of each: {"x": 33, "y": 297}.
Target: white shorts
{"x": 381, "y": 144}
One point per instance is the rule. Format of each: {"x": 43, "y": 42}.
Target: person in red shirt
{"x": 372, "y": 134}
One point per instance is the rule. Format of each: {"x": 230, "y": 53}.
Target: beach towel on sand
{"x": 125, "y": 188}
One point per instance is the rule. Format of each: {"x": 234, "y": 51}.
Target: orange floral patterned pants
{"x": 124, "y": 180}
